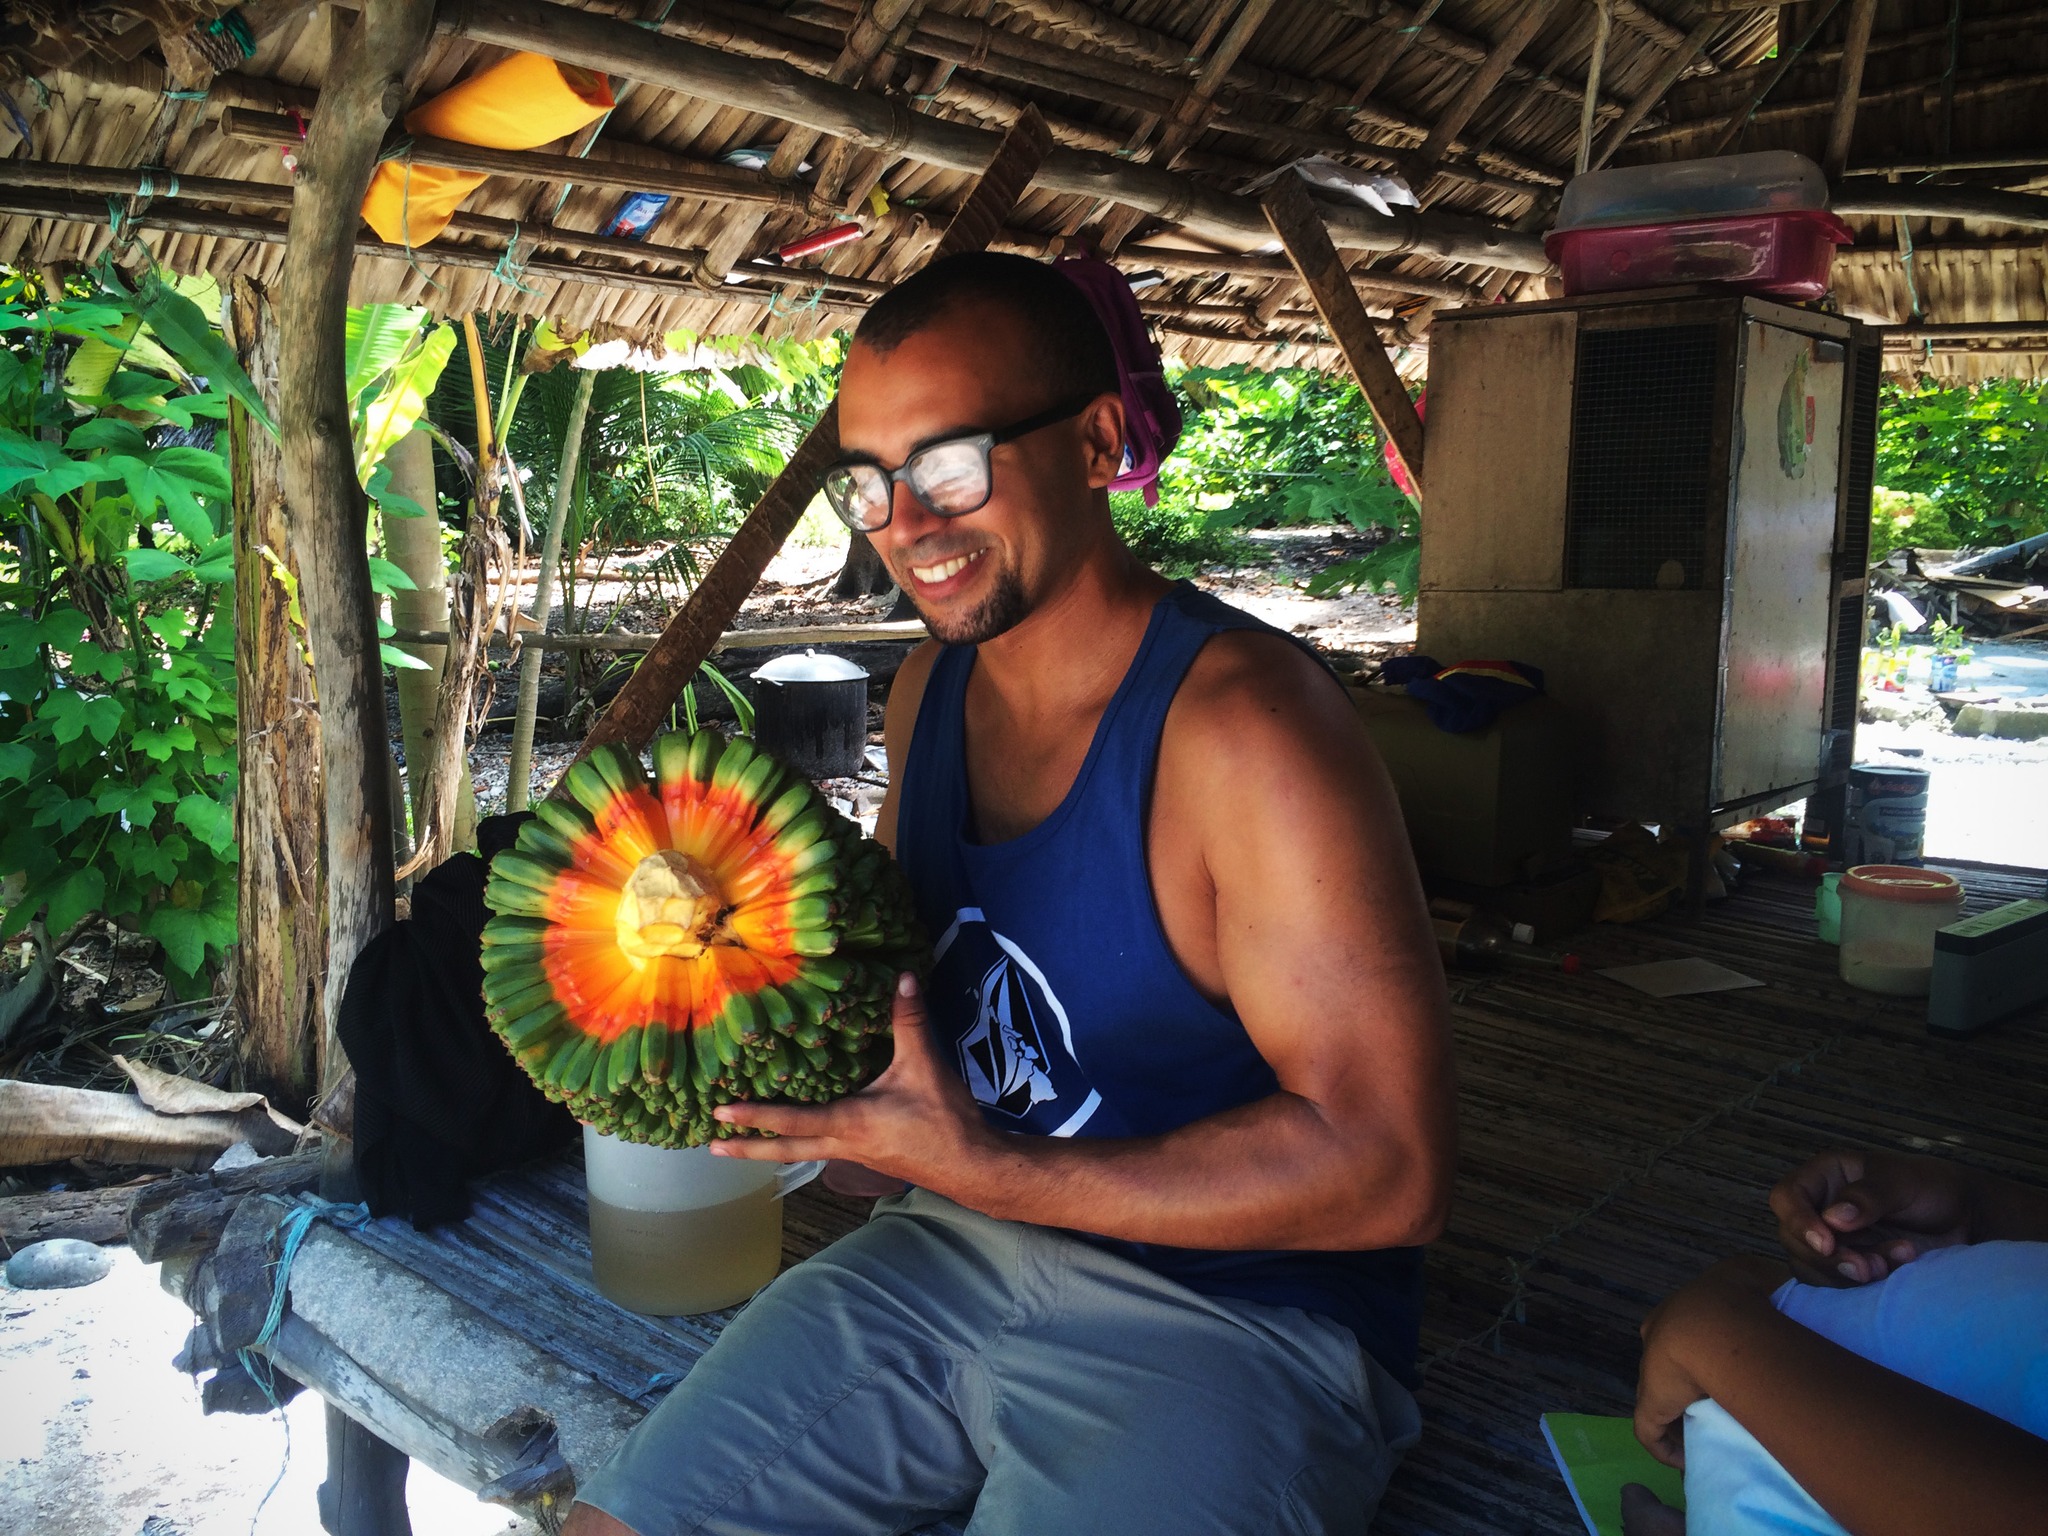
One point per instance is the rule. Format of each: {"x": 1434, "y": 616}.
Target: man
{"x": 1175, "y": 1107}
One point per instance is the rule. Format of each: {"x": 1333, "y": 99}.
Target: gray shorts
{"x": 937, "y": 1361}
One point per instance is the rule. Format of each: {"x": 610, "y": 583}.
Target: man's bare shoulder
{"x": 1251, "y": 692}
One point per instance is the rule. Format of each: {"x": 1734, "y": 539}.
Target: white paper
{"x": 1679, "y": 978}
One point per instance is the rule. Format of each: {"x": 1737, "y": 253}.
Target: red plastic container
{"x": 1785, "y": 255}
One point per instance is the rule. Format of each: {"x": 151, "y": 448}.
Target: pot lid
{"x": 809, "y": 667}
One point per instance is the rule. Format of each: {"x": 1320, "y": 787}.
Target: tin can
{"x": 1885, "y": 820}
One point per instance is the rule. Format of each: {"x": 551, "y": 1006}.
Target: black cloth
{"x": 439, "y": 1099}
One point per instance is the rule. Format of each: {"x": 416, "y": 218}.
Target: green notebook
{"x": 1597, "y": 1455}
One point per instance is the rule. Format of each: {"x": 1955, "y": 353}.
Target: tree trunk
{"x": 519, "y": 779}
{"x": 413, "y": 544}
{"x": 472, "y": 616}
{"x": 864, "y": 574}
{"x": 280, "y": 962}
{"x": 364, "y": 90}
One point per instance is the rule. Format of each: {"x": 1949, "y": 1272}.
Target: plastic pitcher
{"x": 677, "y": 1230}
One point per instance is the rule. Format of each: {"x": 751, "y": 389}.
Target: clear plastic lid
{"x": 1770, "y": 181}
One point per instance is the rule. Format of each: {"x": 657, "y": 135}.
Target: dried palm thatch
{"x": 1185, "y": 105}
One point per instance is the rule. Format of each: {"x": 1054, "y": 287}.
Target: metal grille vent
{"x": 1865, "y": 364}
{"x": 1641, "y": 467}
{"x": 1847, "y": 662}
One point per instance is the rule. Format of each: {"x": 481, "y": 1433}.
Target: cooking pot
{"x": 811, "y": 710}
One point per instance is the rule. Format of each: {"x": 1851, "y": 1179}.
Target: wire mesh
{"x": 1641, "y": 468}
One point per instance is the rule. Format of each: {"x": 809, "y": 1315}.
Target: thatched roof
{"x": 1479, "y": 107}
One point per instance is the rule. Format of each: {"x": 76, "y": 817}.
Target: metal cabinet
{"x": 1663, "y": 500}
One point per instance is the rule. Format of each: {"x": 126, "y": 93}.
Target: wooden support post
{"x": 329, "y": 514}
{"x": 1301, "y": 232}
{"x": 364, "y": 90}
{"x": 281, "y": 962}
{"x": 690, "y": 636}
{"x": 1842, "y": 126}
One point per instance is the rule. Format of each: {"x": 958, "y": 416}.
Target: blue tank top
{"x": 1055, "y": 992}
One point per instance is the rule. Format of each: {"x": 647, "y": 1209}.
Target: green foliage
{"x": 666, "y": 457}
{"x": 117, "y": 706}
{"x": 1271, "y": 449}
{"x": 1973, "y": 461}
{"x": 394, "y": 357}
{"x": 1173, "y": 537}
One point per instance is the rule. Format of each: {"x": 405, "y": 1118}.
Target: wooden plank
{"x": 1294, "y": 220}
{"x": 673, "y": 660}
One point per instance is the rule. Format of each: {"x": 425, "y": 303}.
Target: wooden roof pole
{"x": 1842, "y": 126}
{"x": 694, "y": 632}
{"x": 598, "y": 42}
{"x": 1185, "y": 118}
{"x": 2028, "y": 212}
{"x": 1667, "y": 76}
{"x": 865, "y": 40}
{"x": 1294, "y": 220}
{"x": 1787, "y": 57}
{"x": 1528, "y": 23}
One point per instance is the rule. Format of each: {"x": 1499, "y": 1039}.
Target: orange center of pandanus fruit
{"x": 668, "y": 907}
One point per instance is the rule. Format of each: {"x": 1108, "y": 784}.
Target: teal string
{"x": 777, "y": 307}
{"x": 235, "y": 27}
{"x": 511, "y": 267}
{"x": 185, "y": 95}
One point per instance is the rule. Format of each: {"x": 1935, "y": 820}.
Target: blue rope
{"x": 185, "y": 95}
{"x": 311, "y": 1209}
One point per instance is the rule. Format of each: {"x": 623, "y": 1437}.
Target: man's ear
{"x": 1102, "y": 439}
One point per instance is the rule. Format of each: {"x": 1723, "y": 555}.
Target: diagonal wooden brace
{"x": 693, "y": 633}
{"x": 1307, "y": 243}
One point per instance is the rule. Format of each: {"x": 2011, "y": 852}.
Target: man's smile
{"x": 941, "y": 571}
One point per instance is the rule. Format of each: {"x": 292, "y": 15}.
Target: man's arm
{"x": 1322, "y": 944}
{"x": 1883, "y": 1454}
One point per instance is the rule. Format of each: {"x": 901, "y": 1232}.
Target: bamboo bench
{"x": 481, "y": 1348}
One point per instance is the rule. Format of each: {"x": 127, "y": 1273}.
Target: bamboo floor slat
{"x": 1612, "y": 1146}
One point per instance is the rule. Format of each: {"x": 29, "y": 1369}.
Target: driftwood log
{"x": 90, "y": 1215}
{"x": 178, "y": 1215}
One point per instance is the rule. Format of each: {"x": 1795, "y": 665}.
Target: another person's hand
{"x": 1848, "y": 1218}
{"x": 916, "y": 1122}
{"x": 1706, "y": 1312}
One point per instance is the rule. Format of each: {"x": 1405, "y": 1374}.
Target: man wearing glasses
{"x": 1171, "y": 1115}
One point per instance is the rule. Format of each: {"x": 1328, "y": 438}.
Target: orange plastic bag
{"x": 520, "y": 102}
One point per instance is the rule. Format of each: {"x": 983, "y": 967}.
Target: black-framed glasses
{"x": 950, "y": 477}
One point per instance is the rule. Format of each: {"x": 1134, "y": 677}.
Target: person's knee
{"x": 589, "y": 1520}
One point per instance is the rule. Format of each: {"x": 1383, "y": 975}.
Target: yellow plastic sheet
{"x": 521, "y": 102}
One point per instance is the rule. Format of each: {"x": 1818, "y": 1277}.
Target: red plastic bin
{"x": 1785, "y": 255}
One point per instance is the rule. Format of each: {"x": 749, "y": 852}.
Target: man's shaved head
{"x": 1070, "y": 349}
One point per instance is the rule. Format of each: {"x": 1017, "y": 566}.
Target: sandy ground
{"x": 99, "y": 1436}
{"x": 1987, "y": 799}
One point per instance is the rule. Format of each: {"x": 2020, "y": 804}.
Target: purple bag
{"x": 1152, "y": 419}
